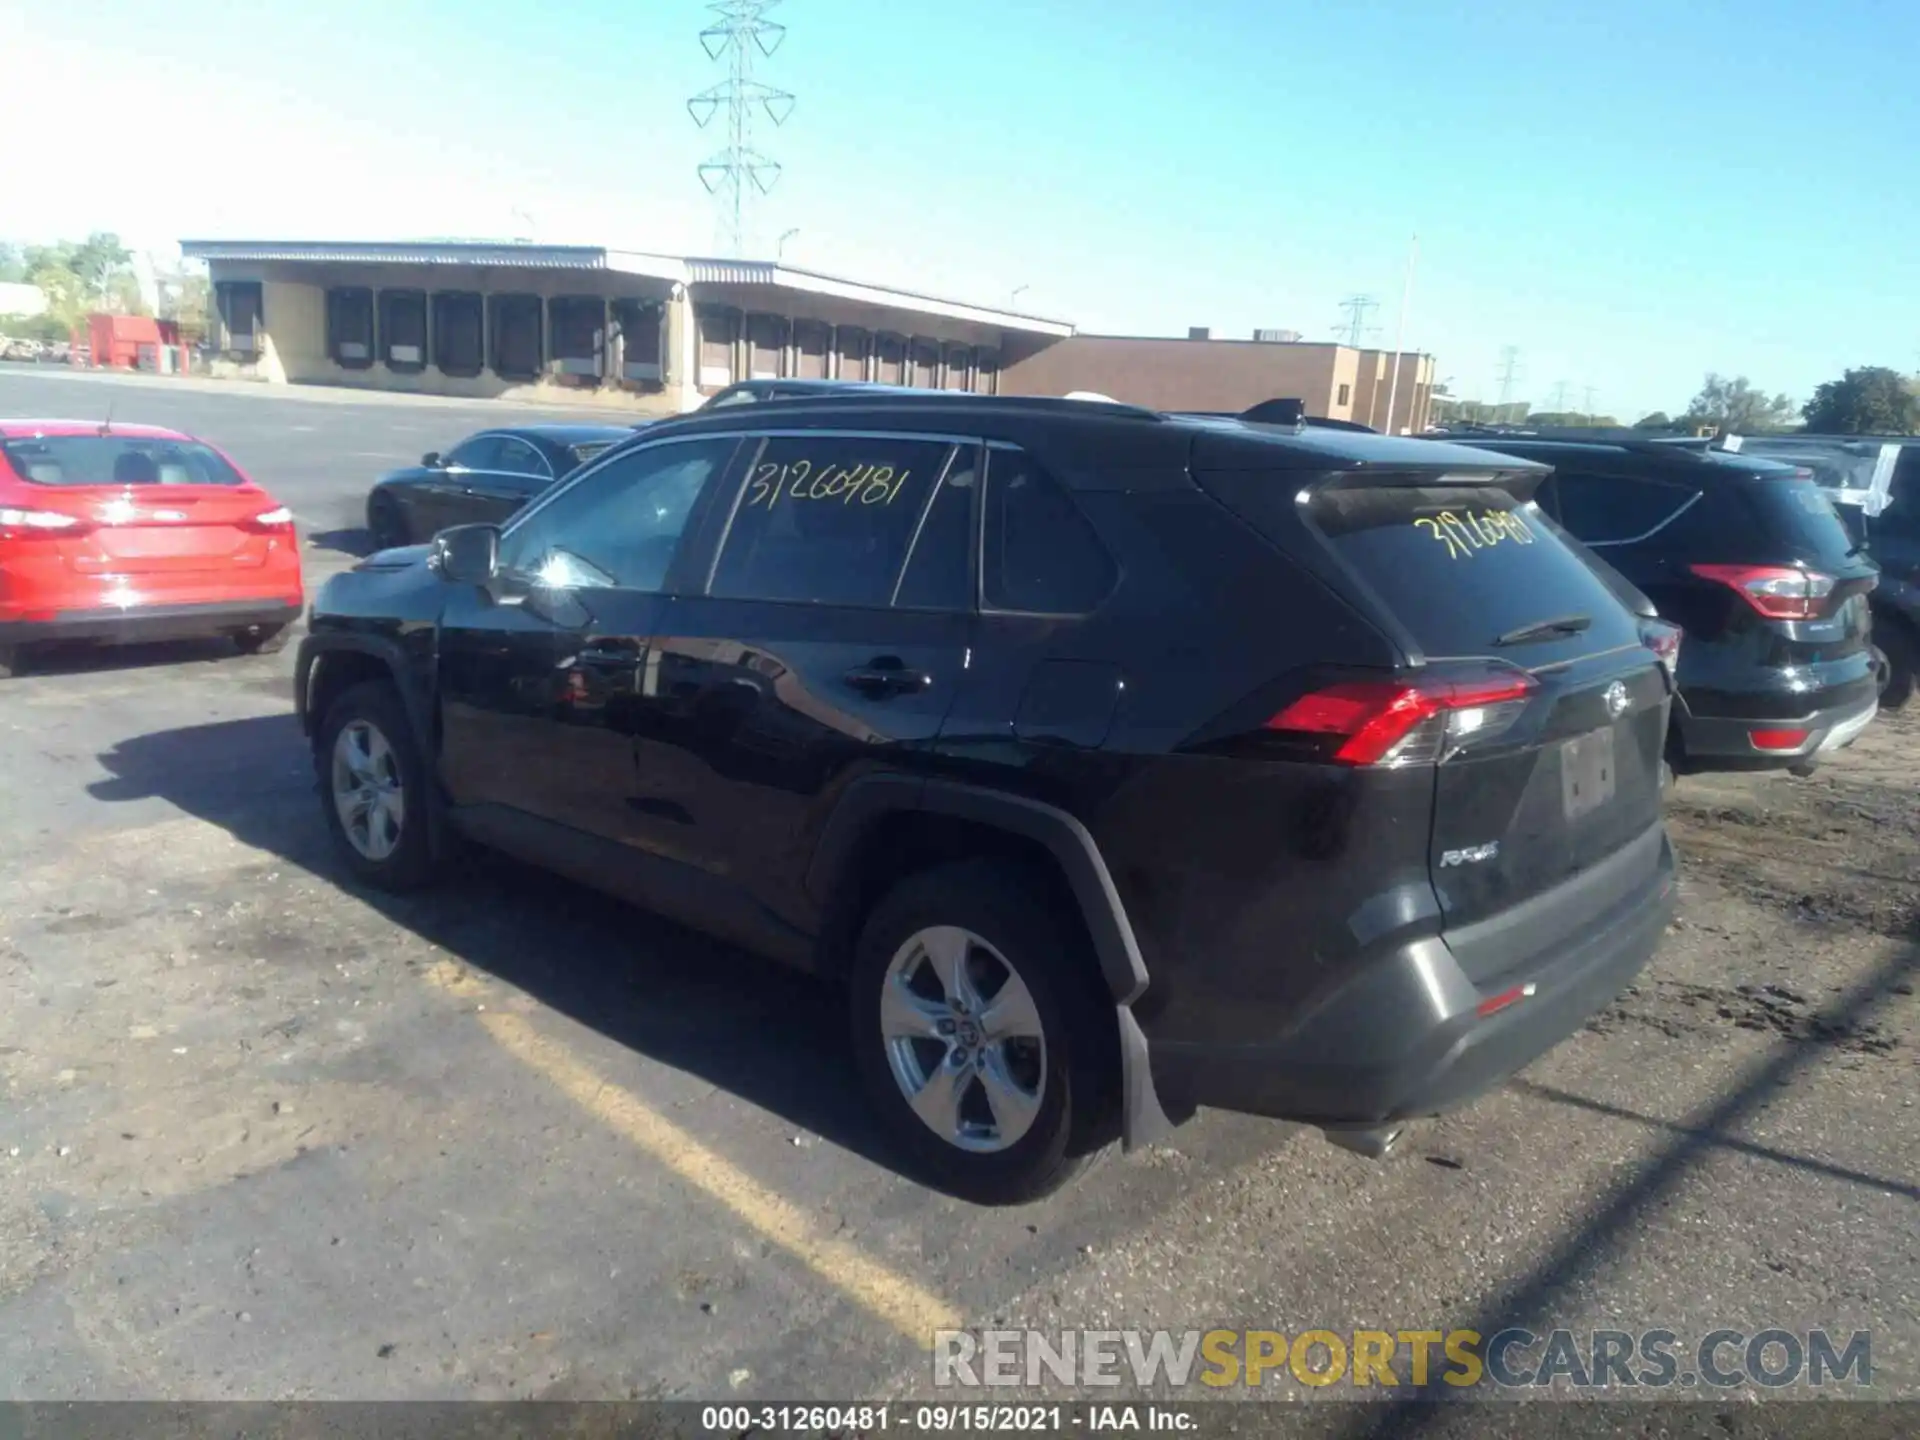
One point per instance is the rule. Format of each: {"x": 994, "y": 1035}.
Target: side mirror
{"x": 432, "y": 460}
{"x": 467, "y": 554}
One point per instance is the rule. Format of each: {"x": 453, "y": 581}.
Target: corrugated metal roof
{"x": 693, "y": 271}
{"x": 425, "y": 252}
{"x": 704, "y": 270}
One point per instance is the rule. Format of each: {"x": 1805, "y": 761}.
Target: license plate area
{"x": 1587, "y": 772}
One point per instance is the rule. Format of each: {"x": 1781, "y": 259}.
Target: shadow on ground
{"x": 78, "y": 658}
{"x": 767, "y": 1034}
{"x": 355, "y": 540}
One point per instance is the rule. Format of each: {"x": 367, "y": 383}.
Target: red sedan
{"x": 117, "y": 533}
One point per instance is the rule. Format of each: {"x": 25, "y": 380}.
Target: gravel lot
{"x": 263, "y": 1135}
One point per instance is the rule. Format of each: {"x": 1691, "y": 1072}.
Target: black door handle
{"x": 886, "y": 676}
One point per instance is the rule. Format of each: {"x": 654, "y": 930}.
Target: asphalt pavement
{"x": 265, "y": 1135}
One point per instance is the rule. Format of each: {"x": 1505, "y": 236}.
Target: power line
{"x": 737, "y": 173}
{"x": 1509, "y": 372}
{"x": 1589, "y": 412}
{"x": 1355, "y": 327}
{"x": 1560, "y": 397}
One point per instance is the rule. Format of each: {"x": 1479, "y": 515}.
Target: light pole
{"x": 780, "y": 250}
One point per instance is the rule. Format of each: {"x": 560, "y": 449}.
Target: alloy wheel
{"x": 963, "y": 1038}
{"x": 368, "y": 794}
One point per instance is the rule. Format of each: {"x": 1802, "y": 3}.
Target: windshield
{"x": 71, "y": 460}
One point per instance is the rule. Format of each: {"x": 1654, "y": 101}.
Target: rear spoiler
{"x": 1287, "y": 412}
{"x": 1872, "y": 498}
{"x": 1519, "y": 478}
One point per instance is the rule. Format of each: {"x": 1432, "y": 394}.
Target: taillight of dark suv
{"x": 1779, "y": 592}
{"x": 1402, "y": 722}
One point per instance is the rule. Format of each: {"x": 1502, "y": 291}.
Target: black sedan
{"x": 485, "y": 478}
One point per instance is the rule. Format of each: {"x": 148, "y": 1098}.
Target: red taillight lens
{"x": 18, "y": 524}
{"x": 1778, "y": 739}
{"x": 1396, "y": 722}
{"x": 275, "y": 520}
{"x": 1778, "y": 592}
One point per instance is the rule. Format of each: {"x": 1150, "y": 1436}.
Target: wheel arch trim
{"x": 1116, "y": 949}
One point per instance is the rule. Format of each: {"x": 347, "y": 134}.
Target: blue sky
{"x": 1630, "y": 193}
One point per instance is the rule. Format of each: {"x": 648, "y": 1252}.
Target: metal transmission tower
{"x": 1509, "y": 372}
{"x": 1356, "y": 328}
{"x": 737, "y": 173}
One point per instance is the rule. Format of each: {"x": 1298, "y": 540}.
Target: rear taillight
{"x": 279, "y": 518}
{"x": 1779, "y": 592}
{"x": 1781, "y": 739}
{"x": 1664, "y": 641}
{"x": 1398, "y": 722}
{"x": 17, "y": 523}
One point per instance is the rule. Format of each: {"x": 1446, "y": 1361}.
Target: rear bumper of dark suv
{"x": 1412, "y": 1035}
{"x": 1713, "y": 738}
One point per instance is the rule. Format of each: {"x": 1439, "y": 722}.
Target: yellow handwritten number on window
{"x": 800, "y": 480}
{"x": 1470, "y": 531}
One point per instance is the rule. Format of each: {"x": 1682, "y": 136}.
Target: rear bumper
{"x": 1405, "y": 1037}
{"x": 150, "y": 622}
{"x": 1726, "y": 742}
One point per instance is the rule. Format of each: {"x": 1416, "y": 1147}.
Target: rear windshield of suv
{"x": 1461, "y": 567}
{"x": 1767, "y": 519}
{"x": 115, "y": 460}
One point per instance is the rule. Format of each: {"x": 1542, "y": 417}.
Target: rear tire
{"x": 1903, "y": 659}
{"x": 386, "y": 523}
{"x": 13, "y": 661}
{"x": 263, "y": 639}
{"x": 367, "y": 758}
{"x": 1019, "y": 1051}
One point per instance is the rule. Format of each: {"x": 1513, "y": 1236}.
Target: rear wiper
{"x": 1542, "y": 629}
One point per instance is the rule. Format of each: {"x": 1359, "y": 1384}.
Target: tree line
{"x": 82, "y": 277}
{"x": 1869, "y": 400}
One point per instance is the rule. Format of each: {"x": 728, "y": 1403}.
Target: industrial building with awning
{"x": 660, "y": 332}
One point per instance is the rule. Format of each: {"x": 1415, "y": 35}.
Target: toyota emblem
{"x": 1617, "y": 699}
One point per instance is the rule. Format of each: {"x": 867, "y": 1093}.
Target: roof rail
{"x": 963, "y": 400}
{"x": 1621, "y": 436}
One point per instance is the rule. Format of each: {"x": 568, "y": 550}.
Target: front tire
{"x": 373, "y": 789}
{"x": 386, "y": 523}
{"x": 976, "y": 1027}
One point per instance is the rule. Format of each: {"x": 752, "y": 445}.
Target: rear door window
{"x": 939, "y": 573}
{"x": 1461, "y": 567}
{"x": 1616, "y": 509}
{"x": 827, "y": 519}
{"x": 1038, "y": 553}
{"x": 517, "y": 457}
{"x": 481, "y": 452}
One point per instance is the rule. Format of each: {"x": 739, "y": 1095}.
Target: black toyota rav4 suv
{"x": 1749, "y": 559}
{"x": 1117, "y": 763}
